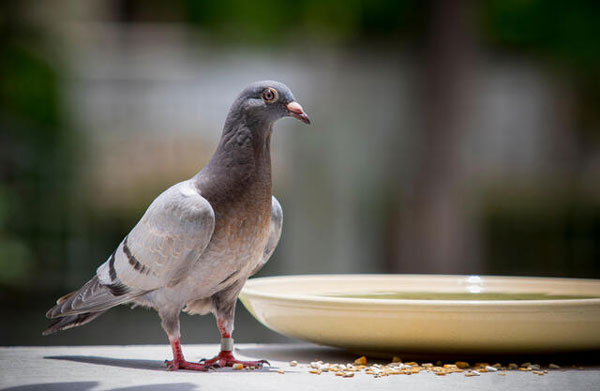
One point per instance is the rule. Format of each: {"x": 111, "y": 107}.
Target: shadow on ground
{"x": 114, "y": 362}
{"x": 298, "y": 352}
{"x": 309, "y": 353}
{"x": 63, "y": 386}
{"x": 88, "y": 386}
{"x": 152, "y": 365}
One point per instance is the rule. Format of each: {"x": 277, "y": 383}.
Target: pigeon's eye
{"x": 270, "y": 95}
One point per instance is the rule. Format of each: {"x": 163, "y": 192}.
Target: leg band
{"x": 227, "y": 344}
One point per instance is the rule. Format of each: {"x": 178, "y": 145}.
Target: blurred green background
{"x": 448, "y": 137}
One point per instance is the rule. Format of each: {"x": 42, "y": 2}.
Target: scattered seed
{"x": 362, "y": 360}
{"x": 237, "y": 367}
{"x": 280, "y": 371}
{"x": 396, "y": 367}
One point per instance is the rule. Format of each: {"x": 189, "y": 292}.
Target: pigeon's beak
{"x": 296, "y": 111}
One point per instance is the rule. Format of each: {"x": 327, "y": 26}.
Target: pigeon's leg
{"x": 170, "y": 323}
{"x": 179, "y": 361}
{"x": 225, "y": 357}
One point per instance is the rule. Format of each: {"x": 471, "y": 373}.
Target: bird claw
{"x": 226, "y": 359}
{"x": 174, "y": 365}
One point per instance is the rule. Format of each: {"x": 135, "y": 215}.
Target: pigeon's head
{"x": 267, "y": 101}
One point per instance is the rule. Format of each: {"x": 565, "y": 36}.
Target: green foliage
{"x": 15, "y": 262}
{"x": 28, "y": 89}
{"x": 546, "y": 233}
{"x": 35, "y": 163}
{"x": 272, "y": 20}
{"x": 566, "y": 30}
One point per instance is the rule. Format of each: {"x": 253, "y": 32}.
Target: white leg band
{"x": 227, "y": 344}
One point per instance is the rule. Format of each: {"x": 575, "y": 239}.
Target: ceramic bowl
{"x": 442, "y": 313}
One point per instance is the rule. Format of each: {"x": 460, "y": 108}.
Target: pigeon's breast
{"x": 236, "y": 247}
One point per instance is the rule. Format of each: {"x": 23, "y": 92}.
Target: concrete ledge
{"x": 141, "y": 367}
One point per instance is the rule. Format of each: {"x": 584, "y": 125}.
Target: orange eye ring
{"x": 270, "y": 95}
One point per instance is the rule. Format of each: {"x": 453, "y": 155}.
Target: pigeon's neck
{"x": 243, "y": 155}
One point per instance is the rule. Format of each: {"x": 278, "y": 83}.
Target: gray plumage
{"x": 201, "y": 239}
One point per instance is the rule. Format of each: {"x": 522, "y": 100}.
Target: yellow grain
{"x": 362, "y": 360}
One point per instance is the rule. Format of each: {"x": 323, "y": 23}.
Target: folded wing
{"x": 158, "y": 252}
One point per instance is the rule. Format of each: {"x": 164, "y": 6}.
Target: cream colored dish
{"x": 313, "y": 308}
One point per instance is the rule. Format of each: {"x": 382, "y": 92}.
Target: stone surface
{"x": 141, "y": 367}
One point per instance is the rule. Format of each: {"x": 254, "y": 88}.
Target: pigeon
{"x": 201, "y": 239}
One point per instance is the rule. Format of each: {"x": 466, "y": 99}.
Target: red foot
{"x": 179, "y": 362}
{"x": 225, "y": 359}
{"x": 173, "y": 365}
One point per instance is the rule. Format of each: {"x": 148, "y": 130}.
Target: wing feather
{"x": 274, "y": 233}
{"x": 167, "y": 241}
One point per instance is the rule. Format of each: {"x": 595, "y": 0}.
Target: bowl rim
{"x": 252, "y": 290}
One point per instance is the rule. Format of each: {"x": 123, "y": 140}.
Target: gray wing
{"x": 158, "y": 252}
{"x": 167, "y": 241}
{"x": 274, "y": 233}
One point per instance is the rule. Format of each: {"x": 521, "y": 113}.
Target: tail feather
{"x": 70, "y": 321}
{"x": 92, "y": 297}
{"x": 62, "y": 299}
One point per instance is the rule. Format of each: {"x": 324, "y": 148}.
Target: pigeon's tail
{"x": 86, "y": 304}
{"x": 70, "y": 321}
